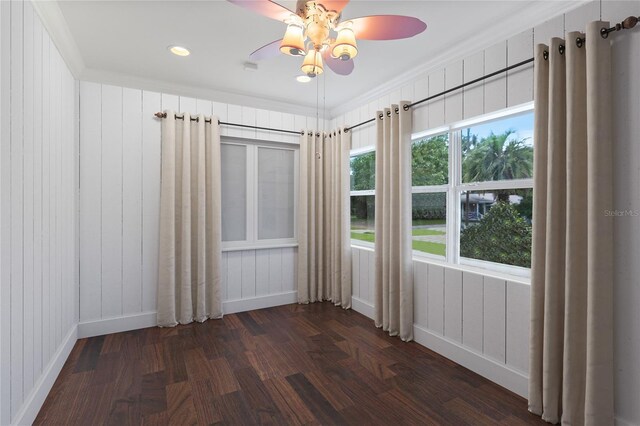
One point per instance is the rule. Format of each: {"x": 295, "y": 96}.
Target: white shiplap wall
{"x": 38, "y": 181}
{"x": 119, "y": 207}
{"x": 508, "y": 302}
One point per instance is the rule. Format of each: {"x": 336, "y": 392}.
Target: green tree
{"x": 497, "y": 157}
{"x": 363, "y": 177}
{"x": 363, "y": 171}
{"x": 502, "y": 236}
{"x": 430, "y": 161}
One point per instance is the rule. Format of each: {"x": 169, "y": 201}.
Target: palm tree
{"x": 498, "y": 157}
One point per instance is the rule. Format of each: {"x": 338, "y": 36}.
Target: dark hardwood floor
{"x": 294, "y": 364}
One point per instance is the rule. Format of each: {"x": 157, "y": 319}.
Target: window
{"x": 472, "y": 192}
{"x": 234, "y": 192}
{"x": 429, "y": 179}
{"x": 276, "y": 207}
{"x": 496, "y": 191}
{"x": 363, "y": 182}
{"x": 258, "y": 194}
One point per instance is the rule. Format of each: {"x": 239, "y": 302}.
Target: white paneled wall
{"x": 38, "y": 154}
{"x": 120, "y": 198}
{"x": 456, "y": 310}
{"x": 487, "y": 316}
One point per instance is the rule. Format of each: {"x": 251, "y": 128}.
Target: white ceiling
{"x": 130, "y": 38}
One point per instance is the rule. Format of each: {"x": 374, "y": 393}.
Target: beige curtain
{"x": 190, "y": 221}
{"x": 394, "y": 269}
{"x": 571, "y": 351}
{"x": 324, "y": 243}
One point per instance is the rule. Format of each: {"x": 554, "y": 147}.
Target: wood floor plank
{"x": 294, "y": 364}
{"x": 90, "y": 354}
{"x": 317, "y": 404}
{"x": 180, "y": 408}
{"x": 292, "y": 408}
{"x": 204, "y": 398}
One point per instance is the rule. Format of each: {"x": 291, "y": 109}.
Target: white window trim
{"x": 454, "y": 189}
{"x": 252, "y": 242}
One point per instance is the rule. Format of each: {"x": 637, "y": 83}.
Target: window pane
{"x": 234, "y": 192}
{"x": 275, "y": 193}
{"x": 498, "y": 150}
{"x": 496, "y": 226}
{"x": 363, "y": 171}
{"x": 363, "y": 217}
{"x": 429, "y": 231}
{"x": 430, "y": 161}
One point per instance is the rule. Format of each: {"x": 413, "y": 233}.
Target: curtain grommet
{"x": 388, "y": 113}
{"x": 380, "y": 116}
{"x": 580, "y": 42}
{"x": 406, "y": 107}
{"x": 561, "y": 49}
{"x": 397, "y": 110}
{"x": 545, "y": 55}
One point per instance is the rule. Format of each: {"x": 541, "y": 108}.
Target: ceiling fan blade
{"x": 338, "y": 66}
{"x": 336, "y": 5}
{"x": 386, "y": 27}
{"x": 266, "y": 8}
{"x": 267, "y": 51}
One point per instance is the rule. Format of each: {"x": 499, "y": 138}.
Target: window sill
{"x": 486, "y": 272}
{"x": 259, "y": 246}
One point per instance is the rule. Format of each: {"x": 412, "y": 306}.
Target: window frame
{"x": 252, "y": 242}
{"x": 364, "y": 192}
{"x": 454, "y": 189}
{"x": 436, "y": 189}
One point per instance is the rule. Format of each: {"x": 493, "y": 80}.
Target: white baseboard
{"x": 148, "y": 319}
{"x": 117, "y": 324}
{"x": 362, "y": 306}
{"x": 501, "y": 374}
{"x": 33, "y": 402}
{"x": 260, "y": 302}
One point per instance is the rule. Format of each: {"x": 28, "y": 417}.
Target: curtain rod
{"x": 437, "y": 95}
{"x": 628, "y": 23}
{"x": 223, "y": 123}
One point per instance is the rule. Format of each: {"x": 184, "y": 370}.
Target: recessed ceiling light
{"x": 179, "y": 50}
{"x": 303, "y": 79}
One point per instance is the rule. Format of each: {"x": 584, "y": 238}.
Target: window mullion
{"x": 453, "y": 211}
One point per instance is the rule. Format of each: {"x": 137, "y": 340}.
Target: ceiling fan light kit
{"x": 293, "y": 41}
{"x": 317, "y": 33}
{"x": 345, "y": 47}
{"x": 312, "y": 64}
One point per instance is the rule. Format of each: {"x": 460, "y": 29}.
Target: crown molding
{"x": 125, "y": 80}
{"x": 58, "y": 29}
{"x": 531, "y": 15}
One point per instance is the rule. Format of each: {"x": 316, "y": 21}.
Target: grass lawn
{"x": 417, "y": 232}
{"x": 423, "y": 246}
{"x": 418, "y": 222}
{"x": 429, "y": 247}
{"x": 363, "y": 236}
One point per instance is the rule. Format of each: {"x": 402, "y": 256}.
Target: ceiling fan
{"x": 316, "y": 31}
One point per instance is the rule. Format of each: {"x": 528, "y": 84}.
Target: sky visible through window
{"x": 522, "y": 125}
